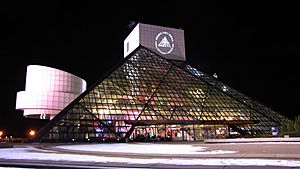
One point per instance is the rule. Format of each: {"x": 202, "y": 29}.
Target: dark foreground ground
{"x": 266, "y": 150}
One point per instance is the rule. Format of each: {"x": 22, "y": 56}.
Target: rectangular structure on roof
{"x": 167, "y": 42}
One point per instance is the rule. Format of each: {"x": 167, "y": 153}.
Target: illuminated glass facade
{"x": 147, "y": 97}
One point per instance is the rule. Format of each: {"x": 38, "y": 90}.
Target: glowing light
{"x": 1, "y": 133}
{"x": 225, "y": 88}
{"x": 32, "y": 133}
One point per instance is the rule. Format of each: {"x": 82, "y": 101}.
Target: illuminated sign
{"x": 164, "y": 43}
{"x": 158, "y": 39}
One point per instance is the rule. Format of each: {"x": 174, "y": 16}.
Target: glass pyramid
{"x": 147, "y": 97}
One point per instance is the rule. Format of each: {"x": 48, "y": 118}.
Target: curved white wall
{"x": 48, "y": 91}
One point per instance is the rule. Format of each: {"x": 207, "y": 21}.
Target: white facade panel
{"x": 132, "y": 41}
{"x": 48, "y": 91}
{"x": 44, "y": 78}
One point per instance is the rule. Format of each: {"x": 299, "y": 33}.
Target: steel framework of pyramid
{"x": 149, "y": 97}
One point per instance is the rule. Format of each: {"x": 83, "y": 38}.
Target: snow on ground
{"x": 11, "y": 168}
{"x": 144, "y": 148}
{"x": 31, "y": 153}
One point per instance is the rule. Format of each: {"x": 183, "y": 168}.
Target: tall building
{"x": 47, "y": 91}
{"x": 166, "y": 42}
{"x": 154, "y": 94}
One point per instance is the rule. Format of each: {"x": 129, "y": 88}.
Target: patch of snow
{"x": 10, "y": 167}
{"x": 29, "y": 154}
{"x": 144, "y": 148}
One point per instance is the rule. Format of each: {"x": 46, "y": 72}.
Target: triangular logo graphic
{"x": 147, "y": 94}
{"x": 164, "y": 43}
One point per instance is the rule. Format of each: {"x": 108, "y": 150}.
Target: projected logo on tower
{"x": 164, "y": 43}
{"x": 167, "y": 42}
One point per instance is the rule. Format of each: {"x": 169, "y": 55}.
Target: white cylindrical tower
{"x": 48, "y": 91}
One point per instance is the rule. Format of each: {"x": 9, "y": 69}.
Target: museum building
{"x": 153, "y": 94}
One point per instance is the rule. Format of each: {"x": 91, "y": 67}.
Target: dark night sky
{"x": 253, "y": 47}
